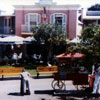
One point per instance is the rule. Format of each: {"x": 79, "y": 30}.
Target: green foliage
{"x": 90, "y": 45}
{"x": 51, "y": 40}
{"x": 48, "y": 32}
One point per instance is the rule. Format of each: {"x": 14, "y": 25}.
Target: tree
{"x": 51, "y": 40}
{"x": 95, "y": 7}
{"x": 90, "y": 45}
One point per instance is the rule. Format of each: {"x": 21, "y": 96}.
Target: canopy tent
{"x": 29, "y": 39}
{"x": 12, "y": 40}
{"x": 75, "y": 40}
{"x": 11, "y": 44}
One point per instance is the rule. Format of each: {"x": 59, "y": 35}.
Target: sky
{"x": 7, "y": 5}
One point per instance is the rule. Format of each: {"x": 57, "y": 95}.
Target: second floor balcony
{"x": 27, "y": 29}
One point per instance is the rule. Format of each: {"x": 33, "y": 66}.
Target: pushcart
{"x": 58, "y": 82}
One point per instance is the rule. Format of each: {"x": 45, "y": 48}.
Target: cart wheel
{"x": 52, "y": 84}
{"x": 59, "y": 85}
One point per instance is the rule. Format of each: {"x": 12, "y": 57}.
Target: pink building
{"x": 46, "y": 11}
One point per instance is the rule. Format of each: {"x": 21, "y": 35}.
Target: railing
{"x": 27, "y": 29}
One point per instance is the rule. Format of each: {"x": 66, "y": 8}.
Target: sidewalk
{"x": 40, "y": 90}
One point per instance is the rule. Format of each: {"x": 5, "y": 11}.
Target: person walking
{"x": 25, "y": 83}
{"x": 96, "y": 85}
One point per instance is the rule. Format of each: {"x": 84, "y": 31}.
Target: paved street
{"x": 40, "y": 90}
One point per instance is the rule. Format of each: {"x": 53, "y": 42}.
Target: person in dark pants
{"x": 96, "y": 85}
{"x": 25, "y": 82}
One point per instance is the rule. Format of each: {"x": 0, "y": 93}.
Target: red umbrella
{"x": 67, "y": 58}
{"x": 64, "y": 55}
{"x": 78, "y": 55}
{"x": 70, "y": 55}
{"x": 64, "y": 58}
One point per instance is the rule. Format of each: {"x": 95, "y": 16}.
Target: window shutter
{"x": 64, "y": 21}
{"x": 39, "y": 19}
{"x": 26, "y": 19}
{"x": 52, "y": 18}
{"x": 27, "y": 25}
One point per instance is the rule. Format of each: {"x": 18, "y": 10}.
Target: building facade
{"x": 7, "y": 25}
{"x": 46, "y": 11}
{"x": 90, "y": 17}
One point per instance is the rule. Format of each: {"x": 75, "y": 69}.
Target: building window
{"x": 7, "y": 25}
{"x": 97, "y": 22}
{"x": 59, "y": 19}
{"x": 9, "y": 22}
{"x": 32, "y": 20}
{"x": 5, "y": 22}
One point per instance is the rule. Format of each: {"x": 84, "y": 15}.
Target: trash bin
{"x": 22, "y": 85}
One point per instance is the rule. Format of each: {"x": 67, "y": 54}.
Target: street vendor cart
{"x": 77, "y": 79}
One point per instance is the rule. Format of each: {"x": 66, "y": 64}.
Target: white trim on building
{"x": 45, "y": 2}
{"x": 48, "y": 7}
{"x": 87, "y": 17}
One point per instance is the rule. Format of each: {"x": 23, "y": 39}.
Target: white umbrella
{"x": 29, "y": 39}
{"x": 12, "y": 40}
{"x": 75, "y": 40}
{"x": 1, "y": 39}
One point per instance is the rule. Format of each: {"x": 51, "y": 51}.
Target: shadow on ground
{"x": 42, "y": 77}
{"x": 15, "y": 94}
{"x": 9, "y": 78}
{"x": 70, "y": 94}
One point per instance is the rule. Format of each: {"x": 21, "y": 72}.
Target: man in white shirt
{"x": 25, "y": 81}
